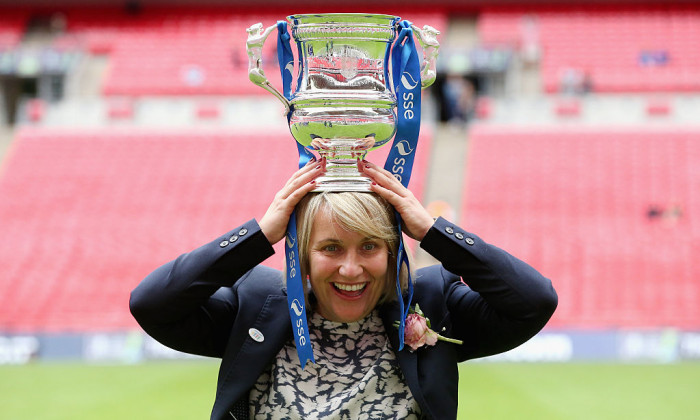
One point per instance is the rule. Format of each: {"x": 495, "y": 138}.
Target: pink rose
{"x": 415, "y": 334}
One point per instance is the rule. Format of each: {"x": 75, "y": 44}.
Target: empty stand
{"x": 619, "y": 49}
{"x": 85, "y": 215}
{"x": 12, "y": 25}
{"x": 183, "y": 51}
{"x": 173, "y": 52}
{"x": 609, "y": 215}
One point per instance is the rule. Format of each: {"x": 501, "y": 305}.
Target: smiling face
{"x": 347, "y": 270}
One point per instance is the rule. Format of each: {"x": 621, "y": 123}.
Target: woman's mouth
{"x": 349, "y": 290}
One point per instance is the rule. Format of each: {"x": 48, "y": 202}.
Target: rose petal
{"x": 431, "y": 337}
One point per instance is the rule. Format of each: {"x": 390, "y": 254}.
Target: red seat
{"x": 568, "y": 107}
{"x": 658, "y": 107}
{"x": 120, "y": 109}
{"x": 622, "y": 49}
{"x": 575, "y": 203}
{"x": 12, "y": 25}
{"x": 87, "y": 214}
{"x": 484, "y": 108}
{"x": 208, "y": 110}
{"x": 35, "y": 110}
{"x": 184, "y": 51}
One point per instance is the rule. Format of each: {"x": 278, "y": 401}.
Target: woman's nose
{"x": 350, "y": 266}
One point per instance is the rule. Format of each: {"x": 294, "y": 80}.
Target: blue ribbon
{"x": 295, "y": 295}
{"x": 407, "y": 87}
{"x": 285, "y": 58}
{"x": 405, "y": 67}
{"x": 295, "y": 288}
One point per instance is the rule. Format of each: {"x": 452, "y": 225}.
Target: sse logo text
{"x": 404, "y": 149}
{"x": 298, "y": 309}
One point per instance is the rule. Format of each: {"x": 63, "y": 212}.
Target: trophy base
{"x": 342, "y": 173}
{"x": 359, "y": 183}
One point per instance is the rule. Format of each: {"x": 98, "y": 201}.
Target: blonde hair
{"x": 365, "y": 213}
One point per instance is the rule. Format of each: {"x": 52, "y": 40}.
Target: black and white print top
{"x": 356, "y": 376}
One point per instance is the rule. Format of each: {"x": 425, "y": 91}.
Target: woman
{"x": 217, "y": 301}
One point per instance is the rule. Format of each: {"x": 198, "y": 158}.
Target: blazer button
{"x": 242, "y": 232}
{"x": 459, "y": 236}
{"x": 469, "y": 241}
{"x": 233, "y": 239}
{"x": 223, "y": 243}
{"x": 449, "y": 230}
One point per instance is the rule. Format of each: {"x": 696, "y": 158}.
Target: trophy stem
{"x": 342, "y": 173}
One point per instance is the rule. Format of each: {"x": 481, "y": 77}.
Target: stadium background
{"x": 129, "y": 133}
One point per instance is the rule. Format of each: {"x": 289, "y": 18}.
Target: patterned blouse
{"x": 356, "y": 376}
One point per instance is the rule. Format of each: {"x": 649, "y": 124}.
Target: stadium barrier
{"x": 628, "y": 346}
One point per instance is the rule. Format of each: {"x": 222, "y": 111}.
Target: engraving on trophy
{"x": 343, "y": 106}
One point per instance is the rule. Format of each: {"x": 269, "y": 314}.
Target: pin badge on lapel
{"x": 256, "y": 335}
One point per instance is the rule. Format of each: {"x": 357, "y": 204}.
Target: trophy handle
{"x": 256, "y": 39}
{"x": 427, "y": 37}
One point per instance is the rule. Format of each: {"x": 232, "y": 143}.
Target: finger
{"x": 386, "y": 184}
{"x": 416, "y": 219}
{"x": 306, "y": 176}
{"x": 400, "y": 202}
{"x": 304, "y": 169}
{"x": 303, "y": 176}
{"x": 383, "y": 177}
{"x": 390, "y": 193}
{"x": 378, "y": 172}
{"x": 296, "y": 196}
{"x": 390, "y": 196}
{"x": 287, "y": 204}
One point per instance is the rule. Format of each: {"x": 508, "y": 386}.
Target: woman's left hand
{"x": 416, "y": 219}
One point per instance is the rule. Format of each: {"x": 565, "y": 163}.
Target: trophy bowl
{"x": 344, "y": 103}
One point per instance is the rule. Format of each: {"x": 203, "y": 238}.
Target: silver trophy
{"x": 344, "y": 104}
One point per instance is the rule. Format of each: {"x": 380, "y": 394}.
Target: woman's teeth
{"x": 350, "y": 287}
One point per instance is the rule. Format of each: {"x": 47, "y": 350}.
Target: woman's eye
{"x": 330, "y": 248}
{"x": 369, "y": 246}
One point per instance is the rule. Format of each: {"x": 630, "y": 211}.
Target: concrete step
{"x": 86, "y": 81}
{"x": 445, "y": 175}
{"x": 6, "y": 136}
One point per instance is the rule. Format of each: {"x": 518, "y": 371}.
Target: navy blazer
{"x": 206, "y": 301}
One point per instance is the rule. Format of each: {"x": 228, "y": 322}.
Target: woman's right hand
{"x": 274, "y": 223}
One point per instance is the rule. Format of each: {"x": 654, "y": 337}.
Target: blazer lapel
{"x": 254, "y": 356}
{"x": 408, "y": 360}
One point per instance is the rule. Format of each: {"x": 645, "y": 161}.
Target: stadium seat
{"x": 35, "y": 110}
{"x": 658, "y": 107}
{"x": 484, "y": 108}
{"x": 208, "y": 110}
{"x": 87, "y": 214}
{"x": 607, "y": 214}
{"x": 569, "y": 107}
{"x": 12, "y": 25}
{"x": 188, "y": 51}
{"x": 621, "y": 49}
{"x": 120, "y": 109}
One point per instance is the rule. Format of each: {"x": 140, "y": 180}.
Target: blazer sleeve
{"x": 495, "y": 301}
{"x": 189, "y": 304}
